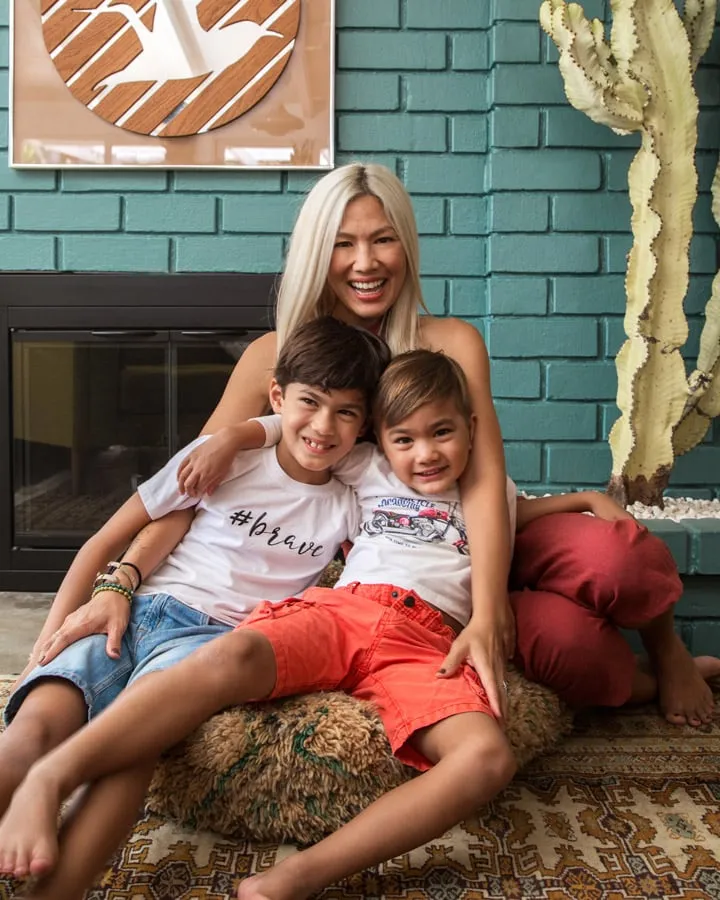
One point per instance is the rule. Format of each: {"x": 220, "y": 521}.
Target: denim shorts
{"x": 161, "y": 632}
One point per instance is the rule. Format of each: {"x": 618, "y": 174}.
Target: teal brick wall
{"x": 521, "y": 204}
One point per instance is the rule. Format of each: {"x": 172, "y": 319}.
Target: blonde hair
{"x": 415, "y": 379}
{"x": 304, "y": 294}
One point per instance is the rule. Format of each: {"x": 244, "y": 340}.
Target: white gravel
{"x": 677, "y": 508}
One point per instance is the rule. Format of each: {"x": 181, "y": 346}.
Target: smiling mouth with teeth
{"x": 367, "y": 287}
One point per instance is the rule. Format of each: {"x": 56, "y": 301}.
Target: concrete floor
{"x": 21, "y": 618}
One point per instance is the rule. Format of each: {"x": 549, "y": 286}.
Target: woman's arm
{"x": 600, "y": 505}
{"x": 490, "y": 631}
{"x": 245, "y": 396}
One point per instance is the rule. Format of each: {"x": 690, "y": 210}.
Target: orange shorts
{"x": 377, "y": 642}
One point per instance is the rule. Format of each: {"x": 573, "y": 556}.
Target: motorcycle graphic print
{"x": 428, "y": 523}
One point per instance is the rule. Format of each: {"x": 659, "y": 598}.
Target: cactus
{"x": 641, "y": 81}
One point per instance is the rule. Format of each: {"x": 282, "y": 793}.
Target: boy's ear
{"x": 276, "y": 396}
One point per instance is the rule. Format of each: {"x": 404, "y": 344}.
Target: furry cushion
{"x": 297, "y": 769}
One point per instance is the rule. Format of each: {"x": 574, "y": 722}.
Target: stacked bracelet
{"x": 113, "y": 586}
{"x": 126, "y": 562}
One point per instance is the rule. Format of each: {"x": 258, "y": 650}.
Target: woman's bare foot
{"x": 28, "y": 831}
{"x": 684, "y": 695}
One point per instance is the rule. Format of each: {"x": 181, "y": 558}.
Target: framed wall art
{"x": 172, "y": 83}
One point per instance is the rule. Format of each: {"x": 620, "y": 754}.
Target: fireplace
{"x": 103, "y": 377}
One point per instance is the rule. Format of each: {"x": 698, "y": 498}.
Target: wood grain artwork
{"x": 170, "y": 68}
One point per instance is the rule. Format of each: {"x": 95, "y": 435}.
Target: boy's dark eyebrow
{"x": 438, "y": 423}
{"x": 372, "y": 235}
{"x": 316, "y": 392}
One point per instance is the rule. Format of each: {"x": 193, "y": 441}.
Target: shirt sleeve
{"x": 273, "y": 428}
{"x": 160, "y": 494}
{"x": 352, "y": 468}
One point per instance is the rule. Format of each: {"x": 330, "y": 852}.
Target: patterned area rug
{"x": 627, "y": 807}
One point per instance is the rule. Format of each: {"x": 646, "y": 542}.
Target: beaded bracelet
{"x": 112, "y": 586}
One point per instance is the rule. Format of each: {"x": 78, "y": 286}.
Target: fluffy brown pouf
{"x": 297, "y": 769}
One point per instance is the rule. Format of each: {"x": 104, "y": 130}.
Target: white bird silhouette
{"x": 163, "y": 57}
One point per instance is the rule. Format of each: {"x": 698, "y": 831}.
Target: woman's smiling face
{"x": 368, "y": 264}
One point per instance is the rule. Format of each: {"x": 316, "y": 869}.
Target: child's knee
{"x": 238, "y": 654}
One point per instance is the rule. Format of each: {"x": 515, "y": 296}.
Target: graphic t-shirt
{"x": 260, "y": 536}
{"x": 414, "y": 541}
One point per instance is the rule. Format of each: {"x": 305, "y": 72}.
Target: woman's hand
{"x": 204, "y": 468}
{"x": 108, "y": 612}
{"x": 485, "y": 646}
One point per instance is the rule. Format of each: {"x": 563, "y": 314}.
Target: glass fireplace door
{"x": 95, "y": 413}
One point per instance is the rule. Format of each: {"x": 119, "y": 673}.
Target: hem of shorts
{"x": 20, "y": 694}
{"x": 408, "y": 729}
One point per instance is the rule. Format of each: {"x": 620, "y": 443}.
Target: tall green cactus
{"x": 641, "y": 80}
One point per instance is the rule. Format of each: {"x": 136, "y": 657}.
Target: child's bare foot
{"x": 28, "y": 831}
{"x": 684, "y": 695}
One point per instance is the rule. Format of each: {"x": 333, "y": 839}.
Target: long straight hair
{"x": 304, "y": 294}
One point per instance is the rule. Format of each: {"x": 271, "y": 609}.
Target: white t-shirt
{"x": 260, "y": 536}
{"x": 414, "y": 541}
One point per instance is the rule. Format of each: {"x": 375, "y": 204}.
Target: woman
{"x": 354, "y": 254}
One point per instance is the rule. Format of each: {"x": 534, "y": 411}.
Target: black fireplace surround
{"x": 102, "y": 378}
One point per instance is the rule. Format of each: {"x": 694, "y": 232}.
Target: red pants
{"x": 575, "y": 581}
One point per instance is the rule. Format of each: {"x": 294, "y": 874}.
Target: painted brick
{"x": 87, "y": 253}
{"x": 706, "y": 86}
{"x": 700, "y": 595}
{"x": 452, "y": 256}
{"x": 4, "y": 213}
{"x": 517, "y": 10}
{"x": 568, "y": 127}
{"x": 523, "y": 461}
{"x": 4, "y": 88}
{"x": 369, "y": 14}
{"x": 4, "y": 12}
{"x": 577, "y": 381}
{"x": 228, "y": 254}
{"x": 248, "y": 213}
{"x": 617, "y": 164}
{"x": 447, "y": 16}
{"x": 703, "y": 219}
{"x": 4, "y": 47}
{"x": 391, "y": 50}
{"x": 613, "y": 336}
{"x": 544, "y": 253}
{"x": 515, "y": 126}
{"x": 444, "y": 175}
{"x": 108, "y": 181}
{"x": 174, "y": 213}
{"x": 705, "y": 545}
{"x": 430, "y": 214}
{"x": 706, "y": 164}
{"x": 546, "y": 421}
{"x": 479, "y": 324}
{"x": 435, "y": 295}
{"x": 579, "y": 464}
{"x": 24, "y": 179}
{"x": 702, "y": 253}
{"x": 20, "y": 252}
{"x": 609, "y": 414}
{"x": 707, "y": 129}
{"x": 4, "y": 129}
{"x": 591, "y": 212}
{"x": 544, "y": 170}
{"x": 517, "y": 296}
{"x": 227, "y": 182}
{"x": 392, "y": 132}
{"x": 468, "y": 297}
{"x": 515, "y": 379}
{"x": 675, "y": 536}
{"x": 301, "y": 182}
{"x": 470, "y": 51}
{"x": 542, "y": 337}
{"x": 366, "y": 91}
{"x": 515, "y": 43}
{"x": 469, "y": 215}
{"x": 468, "y": 134}
{"x": 704, "y": 637}
{"x": 590, "y": 296}
{"x": 66, "y": 212}
{"x": 527, "y": 85}
{"x": 521, "y": 212}
{"x": 701, "y": 467}
{"x": 453, "y": 92}
{"x": 698, "y": 294}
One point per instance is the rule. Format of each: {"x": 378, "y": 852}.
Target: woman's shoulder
{"x": 448, "y": 334}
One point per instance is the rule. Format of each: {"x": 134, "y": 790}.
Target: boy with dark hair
{"x": 266, "y": 533}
